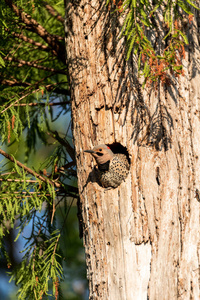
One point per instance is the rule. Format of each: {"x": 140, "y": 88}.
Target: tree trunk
{"x": 141, "y": 239}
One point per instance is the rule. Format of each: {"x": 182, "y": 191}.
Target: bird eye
{"x": 100, "y": 149}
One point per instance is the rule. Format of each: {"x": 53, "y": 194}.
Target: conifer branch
{"x": 53, "y": 11}
{"x": 30, "y": 171}
{"x": 13, "y": 82}
{"x": 22, "y": 62}
{"x": 43, "y": 104}
{"x": 16, "y": 102}
{"x": 24, "y": 38}
{"x": 50, "y": 88}
{"x": 21, "y": 98}
{"x": 18, "y": 180}
{"x": 53, "y": 41}
{"x": 65, "y": 143}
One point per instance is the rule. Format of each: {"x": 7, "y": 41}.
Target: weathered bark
{"x": 142, "y": 238}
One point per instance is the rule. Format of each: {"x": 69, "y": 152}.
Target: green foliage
{"x": 31, "y": 67}
{"x": 34, "y": 94}
{"x": 39, "y": 267}
{"x": 145, "y": 32}
{"x": 24, "y": 200}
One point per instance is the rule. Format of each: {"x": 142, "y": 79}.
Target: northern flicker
{"x": 112, "y": 168}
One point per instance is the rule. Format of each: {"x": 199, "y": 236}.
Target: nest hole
{"x": 118, "y": 148}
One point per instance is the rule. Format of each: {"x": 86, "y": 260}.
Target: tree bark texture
{"x": 141, "y": 239}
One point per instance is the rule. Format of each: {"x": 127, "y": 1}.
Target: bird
{"x": 113, "y": 168}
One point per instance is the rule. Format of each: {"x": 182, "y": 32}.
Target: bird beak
{"x": 89, "y": 151}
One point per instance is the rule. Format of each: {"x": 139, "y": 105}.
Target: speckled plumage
{"x": 117, "y": 172}
{"x": 112, "y": 168}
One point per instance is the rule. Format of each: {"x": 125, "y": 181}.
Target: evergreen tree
{"x": 34, "y": 94}
{"x": 113, "y": 48}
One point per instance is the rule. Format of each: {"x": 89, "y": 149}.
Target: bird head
{"x": 101, "y": 153}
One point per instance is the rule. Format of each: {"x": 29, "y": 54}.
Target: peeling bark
{"x": 142, "y": 238}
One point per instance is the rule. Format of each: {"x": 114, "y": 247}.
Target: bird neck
{"x": 104, "y": 167}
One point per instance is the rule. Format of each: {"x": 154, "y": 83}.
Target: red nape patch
{"x": 108, "y": 147}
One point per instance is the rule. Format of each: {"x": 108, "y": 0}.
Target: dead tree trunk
{"x": 142, "y": 238}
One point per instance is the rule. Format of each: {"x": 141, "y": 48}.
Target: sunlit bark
{"x": 142, "y": 238}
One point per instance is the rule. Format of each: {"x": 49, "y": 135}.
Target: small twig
{"x": 53, "y": 211}
{"x": 25, "y": 194}
{"x": 24, "y": 96}
{"x": 53, "y": 12}
{"x": 54, "y": 251}
{"x": 31, "y": 41}
{"x": 22, "y": 62}
{"x": 3, "y": 196}
{"x": 18, "y": 180}
{"x": 8, "y": 173}
{"x": 30, "y": 171}
{"x": 51, "y": 87}
{"x": 14, "y": 82}
{"x": 66, "y": 166}
{"x": 43, "y": 104}
{"x": 65, "y": 143}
